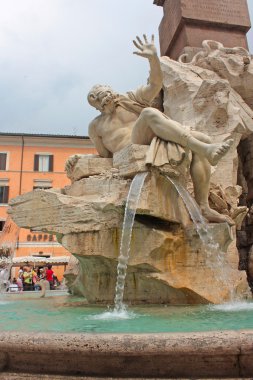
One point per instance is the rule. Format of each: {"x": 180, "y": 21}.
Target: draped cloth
{"x": 160, "y": 152}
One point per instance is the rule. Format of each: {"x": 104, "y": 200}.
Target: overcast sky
{"x": 53, "y": 51}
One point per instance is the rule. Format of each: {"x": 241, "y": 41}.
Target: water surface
{"x": 65, "y": 313}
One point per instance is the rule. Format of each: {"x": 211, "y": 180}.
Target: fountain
{"x": 175, "y": 258}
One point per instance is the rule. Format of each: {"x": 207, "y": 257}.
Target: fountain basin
{"x": 209, "y": 354}
{"x": 82, "y": 340}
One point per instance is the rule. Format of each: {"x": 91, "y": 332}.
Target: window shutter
{"x": 6, "y": 194}
{"x": 36, "y": 163}
{"x": 3, "y": 157}
{"x": 51, "y": 163}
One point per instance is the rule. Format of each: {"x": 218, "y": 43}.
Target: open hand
{"x": 147, "y": 49}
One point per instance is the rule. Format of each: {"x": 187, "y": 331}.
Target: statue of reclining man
{"x": 129, "y": 118}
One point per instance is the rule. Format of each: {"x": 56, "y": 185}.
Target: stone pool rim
{"x": 213, "y": 354}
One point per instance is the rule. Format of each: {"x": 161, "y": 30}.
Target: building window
{"x": 43, "y": 162}
{"x": 43, "y": 184}
{"x": 3, "y": 161}
{"x": 42, "y": 187}
{"x": 2, "y": 223}
{"x": 4, "y": 194}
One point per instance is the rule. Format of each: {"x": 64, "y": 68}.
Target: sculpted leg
{"x": 201, "y": 172}
{"x": 154, "y": 123}
{"x": 170, "y": 130}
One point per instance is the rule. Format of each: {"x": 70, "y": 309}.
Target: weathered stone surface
{"x": 111, "y": 189}
{"x": 166, "y": 355}
{"x": 81, "y": 166}
{"x": 58, "y": 213}
{"x": 89, "y": 216}
{"x": 225, "y": 201}
{"x": 208, "y": 104}
{"x": 131, "y": 160}
{"x": 221, "y": 108}
{"x": 233, "y": 64}
{"x": 95, "y": 203}
{"x": 166, "y": 265}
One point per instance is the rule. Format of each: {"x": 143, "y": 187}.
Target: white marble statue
{"x": 129, "y": 118}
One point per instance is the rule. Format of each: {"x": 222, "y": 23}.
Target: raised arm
{"x": 97, "y": 140}
{"x": 148, "y": 50}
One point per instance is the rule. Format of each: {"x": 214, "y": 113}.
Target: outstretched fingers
{"x": 145, "y": 38}
{"x": 145, "y": 48}
{"x": 139, "y": 40}
{"x": 137, "y": 45}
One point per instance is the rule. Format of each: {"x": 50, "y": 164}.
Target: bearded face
{"x": 102, "y": 98}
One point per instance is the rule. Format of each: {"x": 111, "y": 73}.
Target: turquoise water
{"x": 64, "y": 313}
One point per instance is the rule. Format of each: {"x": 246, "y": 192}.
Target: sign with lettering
{"x": 40, "y": 238}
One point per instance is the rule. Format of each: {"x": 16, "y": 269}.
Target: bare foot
{"x": 216, "y": 151}
{"x": 213, "y": 216}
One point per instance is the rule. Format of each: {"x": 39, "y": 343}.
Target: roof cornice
{"x": 42, "y": 135}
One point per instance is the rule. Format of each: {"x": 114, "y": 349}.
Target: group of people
{"x": 32, "y": 278}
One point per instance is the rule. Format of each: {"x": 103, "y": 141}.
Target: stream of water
{"x": 215, "y": 256}
{"x": 130, "y": 210}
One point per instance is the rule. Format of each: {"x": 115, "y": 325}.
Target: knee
{"x": 207, "y": 139}
{"x": 150, "y": 113}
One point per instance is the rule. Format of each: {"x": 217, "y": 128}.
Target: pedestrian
{"x": 20, "y": 284}
{"x": 49, "y": 276}
{"x": 27, "y": 275}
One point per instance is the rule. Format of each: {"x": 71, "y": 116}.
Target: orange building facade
{"x": 27, "y": 162}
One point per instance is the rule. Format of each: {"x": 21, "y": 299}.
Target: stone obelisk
{"x": 186, "y": 23}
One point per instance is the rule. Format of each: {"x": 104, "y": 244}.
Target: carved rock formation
{"x": 213, "y": 94}
{"x": 168, "y": 262}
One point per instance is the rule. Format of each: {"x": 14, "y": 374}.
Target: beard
{"x": 108, "y": 99}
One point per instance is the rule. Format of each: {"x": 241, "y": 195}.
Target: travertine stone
{"x": 100, "y": 188}
{"x": 219, "y": 82}
{"x": 95, "y": 203}
{"x": 89, "y": 216}
{"x": 87, "y": 165}
{"x": 233, "y": 64}
{"x": 131, "y": 160}
{"x": 160, "y": 199}
{"x": 59, "y": 213}
{"x": 208, "y": 104}
{"x": 212, "y": 355}
{"x": 160, "y": 266}
{"x": 225, "y": 201}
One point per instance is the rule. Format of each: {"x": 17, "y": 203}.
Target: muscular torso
{"x": 115, "y": 129}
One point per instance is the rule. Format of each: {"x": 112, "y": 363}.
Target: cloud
{"x": 53, "y": 51}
